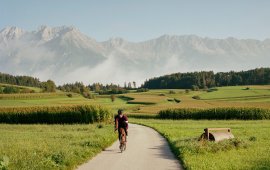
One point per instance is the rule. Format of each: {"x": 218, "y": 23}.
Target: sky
{"x": 140, "y": 20}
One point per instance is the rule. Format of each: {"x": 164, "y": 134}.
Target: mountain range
{"x": 64, "y": 54}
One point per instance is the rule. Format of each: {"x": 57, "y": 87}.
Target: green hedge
{"x": 143, "y": 103}
{"x": 216, "y": 113}
{"x": 56, "y": 114}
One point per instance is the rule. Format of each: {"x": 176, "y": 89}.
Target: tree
{"x": 194, "y": 88}
{"x": 113, "y": 97}
{"x": 129, "y": 85}
{"x": 49, "y": 86}
{"x": 20, "y": 80}
{"x": 134, "y": 84}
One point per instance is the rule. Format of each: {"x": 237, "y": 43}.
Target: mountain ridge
{"x": 65, "y": 54}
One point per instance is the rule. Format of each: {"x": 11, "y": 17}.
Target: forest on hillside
{"x": 208, "y": 79}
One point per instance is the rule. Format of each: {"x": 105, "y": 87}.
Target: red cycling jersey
{"x": 121, "y": 121}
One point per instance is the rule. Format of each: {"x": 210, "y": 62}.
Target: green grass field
{"x": 66, "y": 146}
{"x": 251, "y": 150}
{"x": 256, "y": 96}
{"x": 28, "y": 147}
{"x": 238, "y": 93}
{"x": 36, "y": 89}
{"x": 154, "y": 100}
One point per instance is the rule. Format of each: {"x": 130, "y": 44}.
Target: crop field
{"x": 249, "y": 150}
{"x": 27, "y": 147}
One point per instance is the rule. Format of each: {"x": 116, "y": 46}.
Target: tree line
{"x": 46, "y": 86}
{"x": 19, "y": 80}
{"x": 79, "y": 87}
{"x": 208, "y": 79}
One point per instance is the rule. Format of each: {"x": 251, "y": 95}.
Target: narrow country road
{"x": 146, "y": 150}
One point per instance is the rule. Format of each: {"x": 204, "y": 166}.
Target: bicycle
{"x": 123, "y": 140}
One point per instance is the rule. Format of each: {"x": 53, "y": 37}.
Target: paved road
{"x": 146, "y": 150}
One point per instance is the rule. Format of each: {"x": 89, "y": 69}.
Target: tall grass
{"x": 56, "y": 114}
{"x": 249, "y": 150}
{"x": 216, "y": 113}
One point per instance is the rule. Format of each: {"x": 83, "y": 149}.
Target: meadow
{"x": 238, "y": 93}
{"x": 237, "y": 96}
{"x": 249, "y": 150}
{"x": 27, "y": 147}
{"x": 64, "y": 146}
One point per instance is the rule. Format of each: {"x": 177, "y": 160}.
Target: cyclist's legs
{"x": 119, "y": 134}
{"x": 126, "y": 131}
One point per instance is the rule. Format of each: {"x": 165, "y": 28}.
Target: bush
{"x": 56, "y": 114}
{"x": 196, "y": 97}
{"x": 252, "y": 138}
{"x": 69, "y": 95}
{"x": 58, "y": 158}
{"x": 247, "y": 88}
{"x": 99, "y": 126}
{"x": 216, "y": 113}
{"x": 143, "y": 103}
{"x": 11, "y": 89}
{"x": 143, "y": 90}
{"x": 177, "y": 100}
{"x": 194, "y": 88}
{"x": 171, "y": 92}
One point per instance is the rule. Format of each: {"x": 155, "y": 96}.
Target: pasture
{"x": 249, "y": 150}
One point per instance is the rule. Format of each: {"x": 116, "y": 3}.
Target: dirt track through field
{"x": 146, "y": 150}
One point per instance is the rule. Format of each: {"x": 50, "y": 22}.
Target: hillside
{"x": 207, "y": 79}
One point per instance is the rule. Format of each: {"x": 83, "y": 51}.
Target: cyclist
{"x": 121, "y": 121}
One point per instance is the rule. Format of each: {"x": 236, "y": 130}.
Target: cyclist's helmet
{"x": 120, "y": 111}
